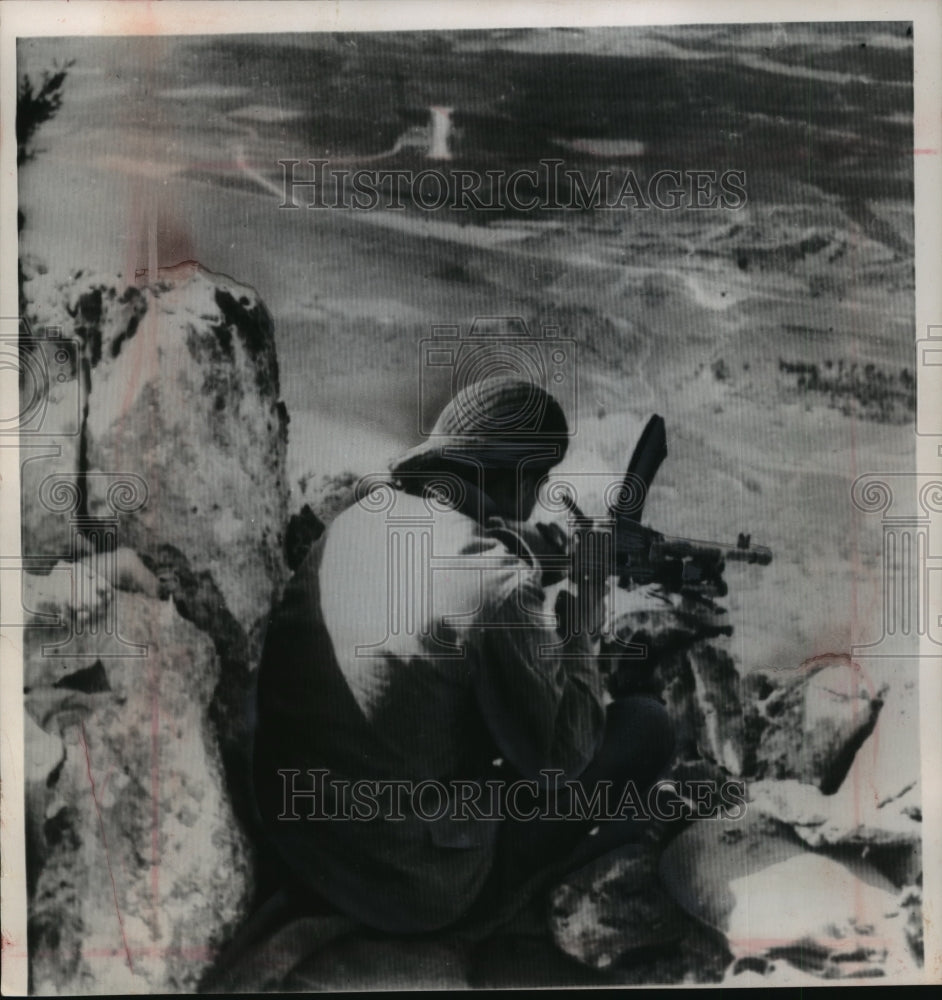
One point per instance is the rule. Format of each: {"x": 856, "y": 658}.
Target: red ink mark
{"x": 858, "y": 678}
{"x": 196, "y": 953}
{"x": 925, "y": 152}
{"x": 841, "y": 660}
{"x": 155, "y": 788}
{"x": 104, "y": 840}
{"x": 822, "y": 658}
{"x": 178, "y": 272}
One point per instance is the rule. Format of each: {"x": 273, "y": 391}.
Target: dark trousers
{"x": 636, "y": 751}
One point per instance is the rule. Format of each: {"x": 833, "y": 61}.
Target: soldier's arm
{"x": 544, "y": 711}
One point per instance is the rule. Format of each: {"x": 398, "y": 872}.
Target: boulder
{"x": 844, "y": 819}
{"x": 43, "y": 754}
{"x": 877, "y": 810}
{"x": 325, "y": 500}
{"x": 330, "y": 495}
{"x": 52, "y": 414}
{"x": 61, "y": 344}
{"x": 142, "y": 870}
{"x": 179, "y": 455}
{"x": 718, "y": 713}
{"x": 787, "y": 912}
{"x": 184, "y": 393}
{"x": 161, "y": 536}
{"x": 810, "y": 726}
{"x": 175, "y": 384}
{"x": 612, "y": 907}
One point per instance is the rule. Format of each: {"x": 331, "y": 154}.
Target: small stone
{"x": 811, "y": 726}
{"x": 803, "y": 913}
{"x": 613, "y": 907}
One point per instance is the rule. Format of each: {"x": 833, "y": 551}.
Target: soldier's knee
{"x": 646, "y": 723}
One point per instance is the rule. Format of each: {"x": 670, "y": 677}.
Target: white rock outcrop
{"x": 162, "y": 522}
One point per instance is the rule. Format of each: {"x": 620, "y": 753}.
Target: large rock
{"x": 843, "y": 819}
{"x": 810, "y": 726}
{"x": 140, "y": 870}
{"x": 52, "y": 413}
{"x": 163, "y": 527}
{"x": 180, "y": 454}
{"x": 44, "y": 753}
{"x": 613, "y": 907}
{"x": 877, "y": 809}
{"x": 887, "y": 831}
{"x": 174, "y": 384}
{"x": 184, "y": 393}
{"x": 785, "y": 911}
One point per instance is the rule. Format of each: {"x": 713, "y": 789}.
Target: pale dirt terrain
{"x": 652, "y": 303}
{"x": 684, "y": 314}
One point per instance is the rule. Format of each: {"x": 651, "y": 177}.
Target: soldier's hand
{"x": 590, "y": 572}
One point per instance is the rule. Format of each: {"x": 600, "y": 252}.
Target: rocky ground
{"x": 141, "y": 863}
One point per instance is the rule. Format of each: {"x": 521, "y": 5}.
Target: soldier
{"x": 477, "y": 690}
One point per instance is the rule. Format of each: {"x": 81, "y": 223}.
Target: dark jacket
{"x": 413, "y": 644}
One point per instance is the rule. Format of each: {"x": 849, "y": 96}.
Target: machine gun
{"x": 593, "y": 550}
{"x": 643, "y": 555}
{"x": 637, "y": 554}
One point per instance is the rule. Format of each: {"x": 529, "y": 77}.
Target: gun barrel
{"x": 681, "y": 548}
{"x": 633, "y": 540}
{"x": 758, "y": 554}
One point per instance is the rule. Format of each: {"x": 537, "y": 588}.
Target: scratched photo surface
{"x": 254, "y": 269}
